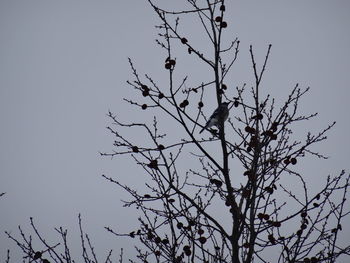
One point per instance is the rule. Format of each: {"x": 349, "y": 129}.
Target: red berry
{"x": 218, "y": 19}
{"x": 266, "y": 216}
{"x": 200, "y": 231}
{"x": 188, "y": 252}
{"x": 202, "y": 240}
{"x": 223, "y": 24}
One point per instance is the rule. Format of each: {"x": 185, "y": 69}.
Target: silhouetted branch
{"x": 177, "y": 222}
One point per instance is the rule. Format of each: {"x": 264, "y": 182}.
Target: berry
{"x": 266, "y": 217}
{"x": 184, "y": 40}
{"x": 157, "y": 240}
{"x": 184, "y": 104}
{"x": 135, "y": 149}
{"x": 276, "y": 224}
{"x": 161, "y": 147}
{"x": 37, "y": 255}
{"x": 202, "y": 240}
{"x": 218, "y": 19}
{"x": 223, "y": 24}
{"x": 188, "y": 252}
{"x": 153, "y": 164}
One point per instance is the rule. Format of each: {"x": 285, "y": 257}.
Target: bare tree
{"x": 224, "y": 195}
{"x": 182, "y": 217}
{"x": 36, "y": 248}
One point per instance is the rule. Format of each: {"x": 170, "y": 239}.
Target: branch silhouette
{"x": 224, "y": 195}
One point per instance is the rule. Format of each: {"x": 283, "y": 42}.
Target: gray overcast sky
{"x": 63, "y": 65}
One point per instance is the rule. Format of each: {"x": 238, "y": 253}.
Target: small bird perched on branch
{"x": 218, "y": 116}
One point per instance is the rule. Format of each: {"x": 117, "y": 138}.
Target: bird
{"x": 218, "y": 116}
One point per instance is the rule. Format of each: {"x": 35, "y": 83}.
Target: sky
{"x": 63, "y": 65}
